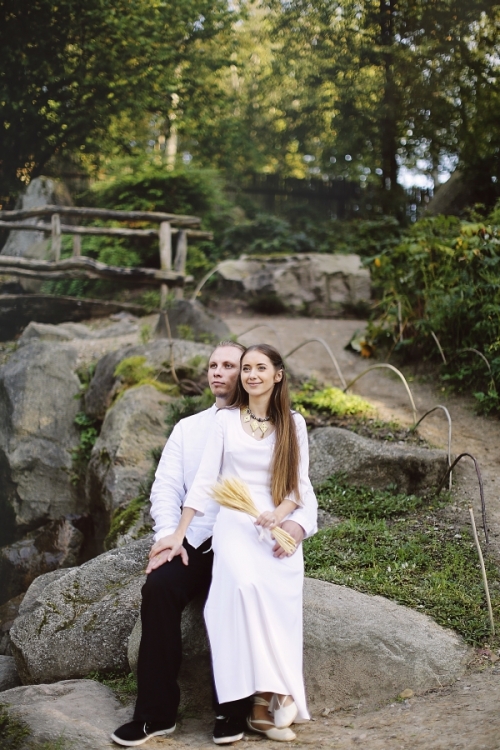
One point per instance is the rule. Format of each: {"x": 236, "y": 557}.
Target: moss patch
{"x": 123, "y": 519}
{"x": 134, "y": 371}
{"x": 332, "y": 401}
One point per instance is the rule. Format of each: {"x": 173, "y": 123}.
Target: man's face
{"x": 223, "y": 370}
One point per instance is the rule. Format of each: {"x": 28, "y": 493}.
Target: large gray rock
{"x": 103, "y": 387}
{"x": 357, "y": 648}
{"x": 81, "y": 712}
{"x": 71, "y": 331}
{"x": 315, "y": 283}
{"x": 360, "y": 648}
{"x": 18, "y": 310}
{"x": 121, "y": 456}
{"x": 82, "y": 621}
{"x": 55, "y": 545}
{"x": 38, "y": 404}
{"x": 8, "y": 673}
{"x": 374, "y": 463}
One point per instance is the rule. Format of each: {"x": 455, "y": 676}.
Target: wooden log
{"x": 155, "y": 217}
{"x": 180, "y": 259}
{"x": 165, "y": 258}
{"x": 77, "y": 246}
{"x": 111, "y": 231}
{"x": 56, "y": 237}
{"x": 86, "y": 268}
{"x": 181, "y": 252}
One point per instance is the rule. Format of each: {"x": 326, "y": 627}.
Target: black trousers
{"x": 167, "y": 590}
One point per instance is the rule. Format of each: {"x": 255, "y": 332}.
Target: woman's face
{"x": 258, "y": 374}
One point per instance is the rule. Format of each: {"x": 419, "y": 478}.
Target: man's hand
{"x": 295, "y": 530}
{"x": 164, "y": 550}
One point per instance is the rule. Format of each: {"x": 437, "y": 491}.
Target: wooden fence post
{"x": 56, "y": 236}
{"x": 77, "y": 245}
{"x": 165, "y": 257}
{"x": 180, "y": 259}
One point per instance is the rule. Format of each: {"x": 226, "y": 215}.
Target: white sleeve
{"x": 307, "y": 513}
{"x": 168, "y": 490}
{"x": 207, "y": 475}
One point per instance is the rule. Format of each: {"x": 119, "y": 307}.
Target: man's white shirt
{"x": 175, "y": 474}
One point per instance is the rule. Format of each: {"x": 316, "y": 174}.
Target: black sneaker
{"x": 228, "y": 729}
{"x": 137, "y": 732}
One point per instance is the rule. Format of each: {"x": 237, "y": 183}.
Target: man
{"x": 170, "y": 586}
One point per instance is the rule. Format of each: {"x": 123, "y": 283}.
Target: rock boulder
{"x": 314, "y": 283}
{"x": 374, "y": 463}
{"x": 121, "y": 457}
{"x": 104, "y": 384}
{"x": 39, "y": 392}
{"x": 357, "y": 647}
{"x": 81, "y": 712}
{"x": 55, "y": 545}
{"x": 80, "y": 622}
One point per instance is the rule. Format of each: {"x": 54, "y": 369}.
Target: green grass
{"x": 337, "y": 496}
{"x": 404, "y": 549}
{"x": 13, "y": 731}
{"x": 123, "y": 685}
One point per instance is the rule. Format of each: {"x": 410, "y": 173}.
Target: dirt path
{"x": 465, "y": 715}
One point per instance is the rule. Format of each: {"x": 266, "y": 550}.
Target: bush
{"x": 443, "y": 279}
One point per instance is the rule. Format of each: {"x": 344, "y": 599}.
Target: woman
{"x": 254, "y": 609}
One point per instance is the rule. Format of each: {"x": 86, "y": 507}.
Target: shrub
{"x": 443, "y": 279}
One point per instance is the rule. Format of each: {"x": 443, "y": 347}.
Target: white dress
{"x": 254, "y": 609}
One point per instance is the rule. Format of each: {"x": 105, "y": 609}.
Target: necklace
{"x": 256, "y": 423}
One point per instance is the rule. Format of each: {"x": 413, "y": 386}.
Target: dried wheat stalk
{"x": 233, "y": 493}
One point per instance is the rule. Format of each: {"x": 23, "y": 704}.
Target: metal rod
{"x": 481, "y": 489}
{"x": 448, "y": 417}
{"x": 330, "y": 354}
{"x": 399, "y": 374}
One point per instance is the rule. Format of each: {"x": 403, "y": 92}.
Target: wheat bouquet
{"x": 233, "y": 493}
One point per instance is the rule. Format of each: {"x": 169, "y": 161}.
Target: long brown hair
{"x": 285, "y": 462}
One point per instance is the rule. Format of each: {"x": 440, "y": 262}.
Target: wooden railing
{"x": 172, "y": 271}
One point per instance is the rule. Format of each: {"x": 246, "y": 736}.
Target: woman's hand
{"x": 164, "y": 550}
{"x": 268, "y": 520}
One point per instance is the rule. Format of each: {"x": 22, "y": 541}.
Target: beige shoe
{"x": 267, "y": 727}
{"x": 283, "y": 715}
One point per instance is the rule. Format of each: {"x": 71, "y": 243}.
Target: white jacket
{"x": 175, "y": 474}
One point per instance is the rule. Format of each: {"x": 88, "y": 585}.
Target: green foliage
{"x": 124, "y": 686}
{"x": 89, "y": 429}
{"x": 399, "y": 547}
{"x": 443, "y": 279}
{"x": 13, "y": 731}
{"x": 77, "y": 78}
{"x": 328, "y": 400}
